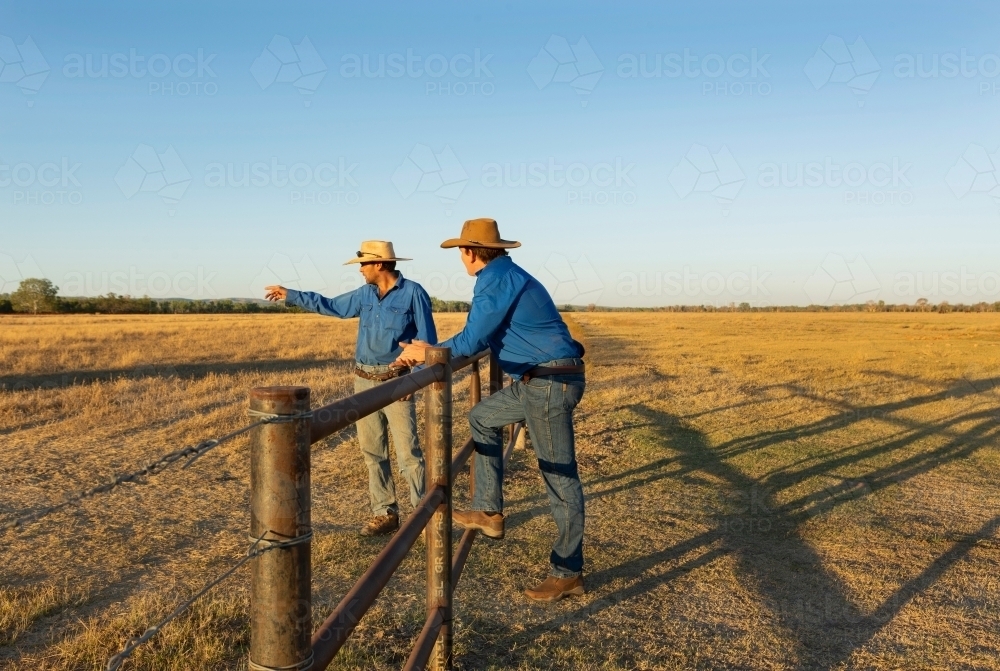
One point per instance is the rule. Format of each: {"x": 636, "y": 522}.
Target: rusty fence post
{"x": 437, "y": 414}
{"x": 280, "y": 583}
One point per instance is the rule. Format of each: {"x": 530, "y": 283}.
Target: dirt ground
{"x": 764, "y": 491}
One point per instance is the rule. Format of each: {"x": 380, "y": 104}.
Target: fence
{"x": 281, "y": 434}
{"x": 280, "y": 505}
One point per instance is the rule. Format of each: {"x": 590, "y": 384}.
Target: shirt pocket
{"x": 367, "y": 316}
{"x": 397, "y": 318}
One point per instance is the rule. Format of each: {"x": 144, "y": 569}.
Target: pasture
{"x": 765, "y": 491}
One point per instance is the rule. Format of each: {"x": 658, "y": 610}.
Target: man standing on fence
{"x": 393, "y": 311}
{"x": 514, "y": 315}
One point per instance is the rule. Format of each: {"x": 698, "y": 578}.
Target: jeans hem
{"x": 562, "y": 574}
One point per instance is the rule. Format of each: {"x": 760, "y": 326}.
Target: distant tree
{"x": 922, "y": 304}
{"x": 35, "y": 295}
{"x": 591, "y": 307}
{"x": 5, "y": 305}
{"x": 744, "y": 307}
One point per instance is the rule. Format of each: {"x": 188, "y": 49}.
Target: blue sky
{"x": 675, "y": 185}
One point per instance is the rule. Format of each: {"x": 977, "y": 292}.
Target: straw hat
{"x": 480, "y": 233}
{"x": 375, "y": 251}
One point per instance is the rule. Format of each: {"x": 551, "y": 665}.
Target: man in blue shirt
{"x": 393, "y": 310}
{"x": 515, "y": 317}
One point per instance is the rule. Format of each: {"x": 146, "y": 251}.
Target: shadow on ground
{"x": 804, "y": 597}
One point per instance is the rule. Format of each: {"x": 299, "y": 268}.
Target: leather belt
{"x": 545, "y": 371}
{"x": 393, "y": 372}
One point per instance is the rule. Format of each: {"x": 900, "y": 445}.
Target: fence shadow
{"x": 70, "y": 378}
{"x": 808, "y": 601}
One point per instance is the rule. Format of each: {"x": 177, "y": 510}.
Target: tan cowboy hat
{"x": 481, "y": 233}
{"x": 375, "y": 251}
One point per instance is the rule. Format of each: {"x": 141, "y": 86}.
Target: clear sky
{"x": 644, "y": 154}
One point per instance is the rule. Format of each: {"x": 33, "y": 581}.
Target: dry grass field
{"x": 765, "y": 491}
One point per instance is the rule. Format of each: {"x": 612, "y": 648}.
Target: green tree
{"x": 35, "y": 295}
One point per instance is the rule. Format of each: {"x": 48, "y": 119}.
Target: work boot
{"x": 490, "y": 524}
{"x": 381, "y": 525}
{"x": 553, "y": 589}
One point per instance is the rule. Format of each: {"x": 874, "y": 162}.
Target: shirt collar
{"x": 496, "y": 264}
{"x": 400, "y": 282}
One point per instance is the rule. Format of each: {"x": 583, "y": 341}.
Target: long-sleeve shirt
{"x": 404, "y": 313}
{"x": 514, "y": 315}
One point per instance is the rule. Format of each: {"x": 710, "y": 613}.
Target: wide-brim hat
{"x": 480, "y": 233}
{"x": 376, "y": 251}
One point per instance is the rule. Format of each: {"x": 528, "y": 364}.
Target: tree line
{"x": 40, "y": 296}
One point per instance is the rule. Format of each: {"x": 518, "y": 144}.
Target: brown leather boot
{"x": 381, "y": 525}
{"x": 490, "y": 524}
{"x": 553, "y": 589}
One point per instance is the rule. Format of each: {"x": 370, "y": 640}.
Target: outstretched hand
{"x": 413, "y": 353}
{"x": 275, "y": 293}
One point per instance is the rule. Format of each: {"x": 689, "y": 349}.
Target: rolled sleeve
{"x": 344, "y": 306}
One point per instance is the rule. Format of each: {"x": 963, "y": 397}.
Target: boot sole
{"x": 576, "y": 591}
{"x": 489, "y": 533}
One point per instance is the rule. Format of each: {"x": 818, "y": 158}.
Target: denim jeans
{"x": 401, "y": 419}
{"x": 546, "y": 406}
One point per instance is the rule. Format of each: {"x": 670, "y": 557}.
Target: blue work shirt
{"x": 514, "y": 315}
{"x": 404, "y": 313}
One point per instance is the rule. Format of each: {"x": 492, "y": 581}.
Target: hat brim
{"x": 461, "y": 242}
{"x": 363, "y": 260}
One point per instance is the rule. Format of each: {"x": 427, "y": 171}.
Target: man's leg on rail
{"x": 487, "y": 420}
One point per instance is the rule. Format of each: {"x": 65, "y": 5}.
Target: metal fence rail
{"x": 280, "y": 517}
{"x": 281, "y": 605}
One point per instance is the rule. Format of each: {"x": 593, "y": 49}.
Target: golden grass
{"x": 764, "y": 491}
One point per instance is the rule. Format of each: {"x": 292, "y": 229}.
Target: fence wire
{"x": 257, "y": 548}
{"x": 191, "y": 453}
